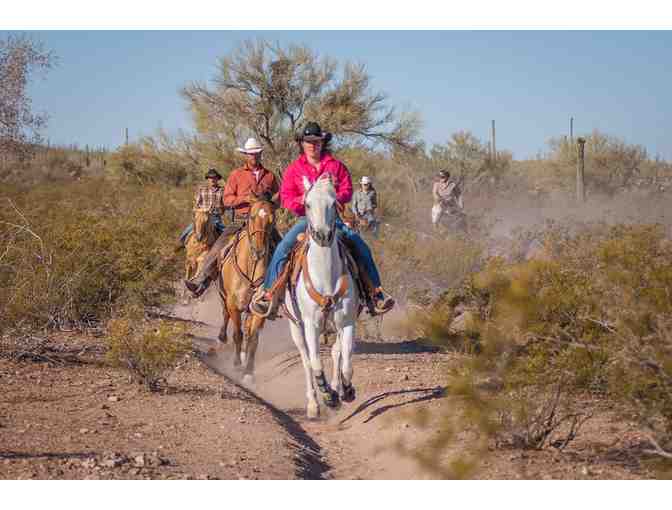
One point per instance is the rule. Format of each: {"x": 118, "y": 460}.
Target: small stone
{"x": 138, "y": 435}
{"x": 83, "y": 431}
{"x": 585, "y": 471}
{"x": 89, "y": 463}
{"x": 113, "y": 398}
{"x": 104, "y": 406}
{"x": 139, "y": 460}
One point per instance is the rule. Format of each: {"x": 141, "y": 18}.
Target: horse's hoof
{"x": 222, "y": 338}
{"x": 349, "y": 394}
{"x": 331, "y": 399}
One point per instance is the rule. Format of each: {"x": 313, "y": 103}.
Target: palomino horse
{"x": 199, "y": 241}
{"x": 241, "y": 271}
{"x": 325, "y": 291}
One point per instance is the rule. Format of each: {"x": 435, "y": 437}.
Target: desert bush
{"x": 70, "y": 253}
{"x": 611, "y": 162}
{"x": 587, "y": 324}
{"x": 470, "y": 160}
{"x": 149, "y": 350}
{"x": 410, "y": 260}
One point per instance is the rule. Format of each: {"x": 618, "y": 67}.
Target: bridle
{"x": 259, "y": 254}
{"x": 311, "y": 231}
{"x": 256, "y": 255}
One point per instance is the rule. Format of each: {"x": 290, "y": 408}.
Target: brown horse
{"x": 199, "y": 241}
{"x": 241, "y": 271}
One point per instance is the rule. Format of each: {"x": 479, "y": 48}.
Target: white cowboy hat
{"x": 251, "y": 147}
{"x": 365, "y": 180}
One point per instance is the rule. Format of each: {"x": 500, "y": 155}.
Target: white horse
{"x": 324, "y": 292}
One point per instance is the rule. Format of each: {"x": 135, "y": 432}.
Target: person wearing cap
{"x": 447, "y": 197}
{"x": 315, "y": 162}
{"x": 251, "y": 178}
{"x": 211, "y": 198}
{"x": 365, "y": 203}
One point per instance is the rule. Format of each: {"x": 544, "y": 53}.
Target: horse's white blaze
{"x": 325, "y": 267}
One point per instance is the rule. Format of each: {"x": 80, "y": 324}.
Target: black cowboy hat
{"x": 313, "y": 133}
{"x": 212, "y": 173}
{"x": 444, "y": 173}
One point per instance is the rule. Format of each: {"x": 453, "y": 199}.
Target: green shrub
{"x": 73, "y": 252}
{"x": 592, "y": 322}
{"x": 149, "y": 350}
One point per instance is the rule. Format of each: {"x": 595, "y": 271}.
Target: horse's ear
{"x": 306, "y": 183}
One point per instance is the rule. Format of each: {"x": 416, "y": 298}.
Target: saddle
{"x": 297, "y": 264}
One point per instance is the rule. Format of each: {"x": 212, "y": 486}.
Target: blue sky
{"x": 530, "y": 82}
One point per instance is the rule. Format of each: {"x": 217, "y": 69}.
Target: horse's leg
{"x": 312, "y": 408}
{"x": 254, "y": 327}
{"x": 347, "y": 341}
{"x": 336, "y": 359}
{"x": 329, "y": 396}
{"x": 225, "y": 321}
{"x": 236, "y": 320}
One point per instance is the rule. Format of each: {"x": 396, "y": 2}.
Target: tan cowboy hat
{"x": 251, "y": 147}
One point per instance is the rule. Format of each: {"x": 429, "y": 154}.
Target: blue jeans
{"x": 190, "y": 228}
{"x": 362, "y": 252}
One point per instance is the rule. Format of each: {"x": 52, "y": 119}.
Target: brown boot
{"x": 198, "y": 285}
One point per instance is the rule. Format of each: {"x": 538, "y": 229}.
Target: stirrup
{"x": 384, "y": 305}
{"x": 258, "y": 301}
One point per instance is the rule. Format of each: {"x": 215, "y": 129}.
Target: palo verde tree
{"x": 270, "y": 92}
{"x": 20, "y": 58}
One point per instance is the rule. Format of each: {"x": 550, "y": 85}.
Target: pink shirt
{"x": 292, "y": 190}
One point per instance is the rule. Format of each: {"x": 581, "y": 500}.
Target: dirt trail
{"x": 397, "y": 382}
{"x": 357, "y": 441}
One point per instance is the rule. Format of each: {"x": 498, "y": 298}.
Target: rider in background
{"x": 365, "y": 203}
{"x": 211, "y": 198}
{"x": 242, "y": 182}
{"x": 447, "y": 197}
{"x": 316, "y": 162}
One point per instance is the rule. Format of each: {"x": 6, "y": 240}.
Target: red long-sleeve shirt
{"x": 242, "y": 182}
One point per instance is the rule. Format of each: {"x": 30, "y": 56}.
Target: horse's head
{"x": 260, "y": 223}
{"x": 201, "y": 218}
{"x": 320, "y": 204}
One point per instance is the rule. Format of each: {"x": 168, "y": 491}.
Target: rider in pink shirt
{"x": 315, "y": 162}
{"x": 292, "y": 190}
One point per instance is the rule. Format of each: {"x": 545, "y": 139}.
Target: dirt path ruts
{"x": 359, "y": 439}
